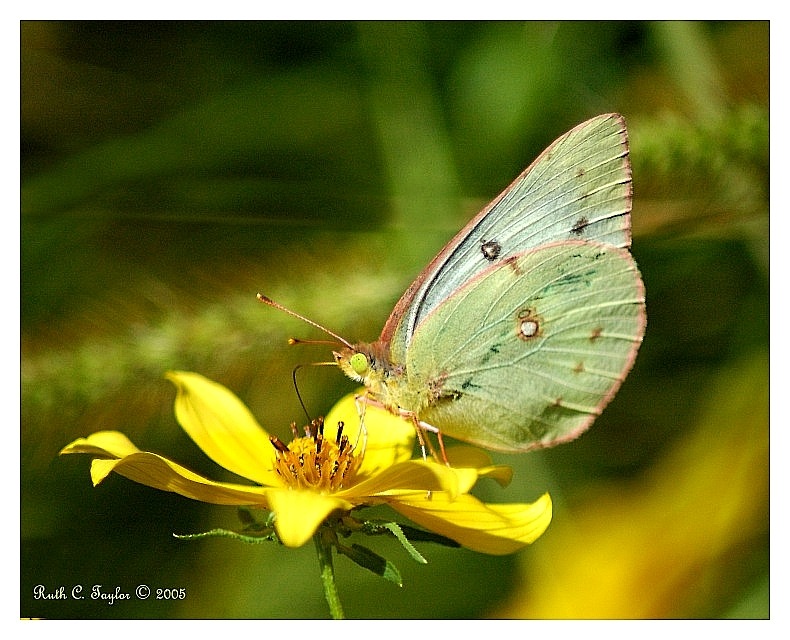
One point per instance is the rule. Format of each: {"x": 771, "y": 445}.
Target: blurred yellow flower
{"x": 329, "y": 471}
{"x": 677, "y": 541}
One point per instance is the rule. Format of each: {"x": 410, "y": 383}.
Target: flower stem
{"x": 324, "y": 548}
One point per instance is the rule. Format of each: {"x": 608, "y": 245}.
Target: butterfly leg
{"x": 361, "y": 404}
{"x": 362, "y": 401}
{"x": 424, "y": 426}
{"x": 425, "y": 443}
{"x": 421, "y": 440}
{"x": 441, "y": 447}
{"x": 420, "y": 427}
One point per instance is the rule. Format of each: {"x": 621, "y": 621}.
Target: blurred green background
{"x": 172, "y": 170}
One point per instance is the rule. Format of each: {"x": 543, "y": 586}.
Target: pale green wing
{"x": 527, "y": 354}
{"x": 577, "y": 189}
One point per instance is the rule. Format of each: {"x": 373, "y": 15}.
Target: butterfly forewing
{"x": 579, "y": 188}
{"x": 527, "y": 354}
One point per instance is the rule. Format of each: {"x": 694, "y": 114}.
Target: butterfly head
{"x": 355, "y": 362}
{"x": 368, "y": 364}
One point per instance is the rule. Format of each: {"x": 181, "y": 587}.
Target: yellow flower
{"x": 329, "y": 471}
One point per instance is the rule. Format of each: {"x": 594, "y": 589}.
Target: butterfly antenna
{"x": 276, "y": 305}
{"x": 293, "y": 341}
{"x": 299, "y": 395}
{"x": 296, "y": 384}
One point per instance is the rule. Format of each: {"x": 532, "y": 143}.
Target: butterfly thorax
{"x": 386, "y": 381}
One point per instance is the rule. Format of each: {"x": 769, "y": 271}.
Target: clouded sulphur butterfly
{"x": 521, "y": 330}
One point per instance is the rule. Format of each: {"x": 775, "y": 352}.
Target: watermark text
{"x": 108, "y": 595}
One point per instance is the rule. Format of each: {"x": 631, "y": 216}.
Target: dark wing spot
{"x": 436, "y": 388}
{"x": 570, "y": 279}
{"x": 573, "y": 281}
{"x": 491, "y": 250}
{"x": 579, "y": 226}
{"x": 513, "y": 262}
{"x": 596, "y": 333}
{"x": 579, "y": 368}
{"x": 580, "y": 172}
{"x": 492, "y": 351}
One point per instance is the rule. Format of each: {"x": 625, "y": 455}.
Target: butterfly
{"x": 522, "y": 329}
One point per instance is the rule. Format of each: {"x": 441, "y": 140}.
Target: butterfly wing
{"x": 528, "y": 353}
{"x": 578, "y": 188}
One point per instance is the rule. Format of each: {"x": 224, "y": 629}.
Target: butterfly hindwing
{"x": 528, "y": 353}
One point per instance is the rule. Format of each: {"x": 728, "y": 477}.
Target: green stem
{"x": 324, "y": 548}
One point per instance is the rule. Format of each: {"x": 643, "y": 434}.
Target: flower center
{"x": 313, "y": 462}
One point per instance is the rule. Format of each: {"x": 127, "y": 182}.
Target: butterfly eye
{"x": 359, "y": 363}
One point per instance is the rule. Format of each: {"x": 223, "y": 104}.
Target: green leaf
{"x": 371, "y": 561}
{"x": 420, "y": 535}
{"x": 225, "y": 533}
{"x": 405, "y": 533}
{"x": 395, "y": 529}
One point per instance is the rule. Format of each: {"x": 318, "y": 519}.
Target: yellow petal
{"x": 386, "y": 439}
{"x": 223, "y": 427}
{"x": 412, "y": 476}
{"x": 463, "y": 456}
{"x": 502, "y": 474}
{"x": 160, "y": 473}
{"x": 298, "y": 514}
{"x": 489, "y": 528}
{"x": 102, "y": 443}
{"x": 473, "y": 458}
